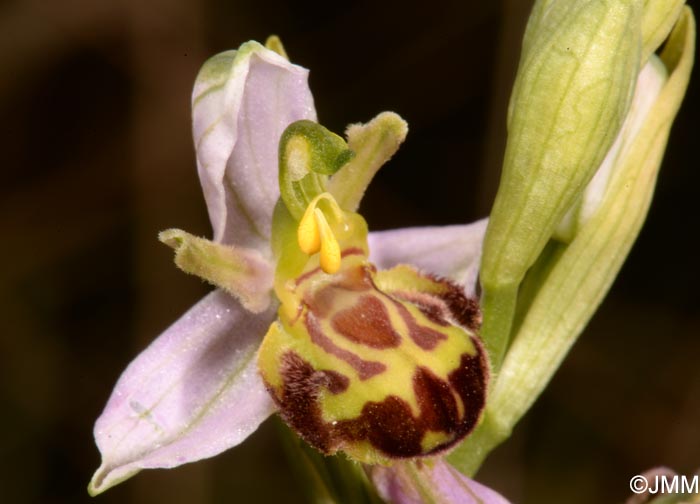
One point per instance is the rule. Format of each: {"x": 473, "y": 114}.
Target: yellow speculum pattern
{"x": 400, "y": 364}
{"x": 322, "y": 326}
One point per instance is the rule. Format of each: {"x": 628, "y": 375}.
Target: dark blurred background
{"x": 98, "y": 158}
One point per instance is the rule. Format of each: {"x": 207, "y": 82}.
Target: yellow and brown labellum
{"x": 377, "y": 372}
{"x": 379, "y": 364}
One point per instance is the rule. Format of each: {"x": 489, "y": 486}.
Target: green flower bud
{"x": 570, "y": 280}
{"x": 578, "y": 68}
{"x": 572, "y": 274}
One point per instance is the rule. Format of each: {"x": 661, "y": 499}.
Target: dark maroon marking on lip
{"x": 388, "y": 425}
{"x": 446, "y": 307}
{"x": 424, "y": 337}
{"x": 365, "y": 369}
{"x": 469, "y": 381}
{"x": 391, "y": 428}
{"x": 465, "y": 310}
{"x": 298, "y": 397}
{"x": 462, "y": 309}
{"x": 337, "y": 382}
{"x": 367, "y": 323}
{"x": 436, "y": 401}
{"x": 436, "y": 312}
{"x": 430, "y": 305}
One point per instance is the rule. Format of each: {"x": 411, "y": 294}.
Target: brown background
{"x": 98, "y": 158}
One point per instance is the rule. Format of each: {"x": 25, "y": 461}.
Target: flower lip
{"x": 414, "y": 384}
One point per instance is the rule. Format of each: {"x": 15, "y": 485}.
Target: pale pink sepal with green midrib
{"x": 193, "y": 393}
{"x": 242, "y": 102}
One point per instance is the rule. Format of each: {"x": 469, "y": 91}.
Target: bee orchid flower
{"x": 372, "y": 344}
{"x": 297, "y": 272}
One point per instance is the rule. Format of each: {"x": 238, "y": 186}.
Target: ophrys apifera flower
{"x": 369, "y": 341}
{"x": 197, "y": 391}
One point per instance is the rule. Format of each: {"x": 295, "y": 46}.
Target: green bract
{"x": 579, "y": 174}
{"x": 576, "y": 77}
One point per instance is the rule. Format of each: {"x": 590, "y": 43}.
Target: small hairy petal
{"x": 450, "y": 251}
{"x": 241, "y": 103}
{"x": 374, "y": 144}
{"x": 193, "y": 393}
{"x": 240, "y": 271}
{"x": 434, "y": 482}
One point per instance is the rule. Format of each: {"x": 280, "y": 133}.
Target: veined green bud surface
{"x": 572, "y": 276}
{"x": 571, "y": 95}
{"x": 578, "y": 68}
{"x": 649, "y": 85}
{"x": 379, "y": 364}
